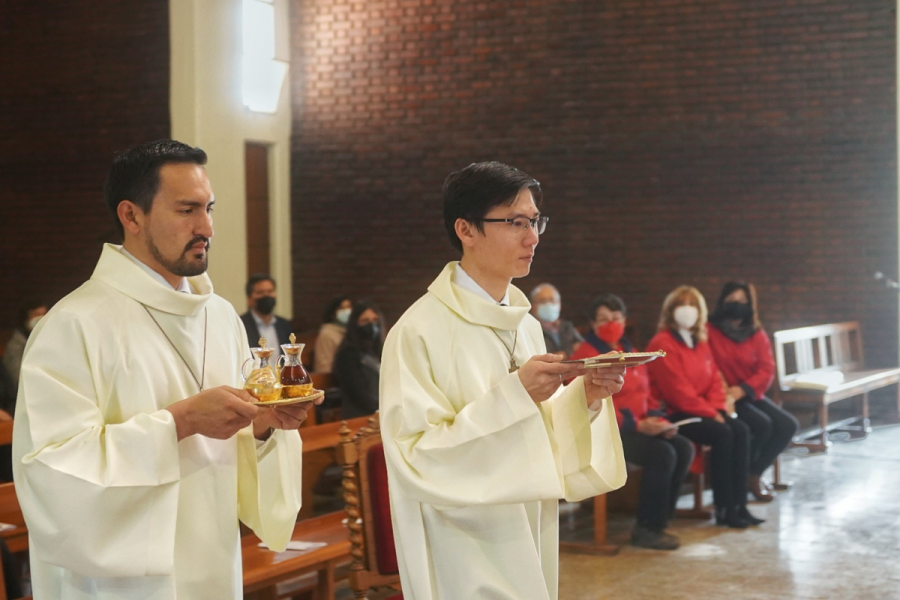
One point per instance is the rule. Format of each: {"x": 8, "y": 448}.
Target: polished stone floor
{"x": 835, "y": 534}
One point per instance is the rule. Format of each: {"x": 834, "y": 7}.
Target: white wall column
{"x": 207, "y": 110}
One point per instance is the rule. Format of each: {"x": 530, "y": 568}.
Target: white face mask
{"x": 548, "y": 313}
{"x": 686, "y": 316}
{"x": 343, "y": 315}
{"x": 32, "y": 323}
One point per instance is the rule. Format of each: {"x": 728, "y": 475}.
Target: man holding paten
{"x": 134, "y": 451}
{"x": 481, "y": 437}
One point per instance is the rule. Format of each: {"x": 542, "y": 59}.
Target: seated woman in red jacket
{"x": 648, "y": 439}
{"x": 688, "y": 381}
{"x": 744, "y": 355}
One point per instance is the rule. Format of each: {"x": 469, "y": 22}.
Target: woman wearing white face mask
{"x": 689, "y": 382}
{"x": 331, "y": 334}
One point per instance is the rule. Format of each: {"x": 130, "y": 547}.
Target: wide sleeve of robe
{"x": 589, "y": 446}
{"x": 91, "y": 489}
{"x": 499, "y": 448}
{"x": 269, "y": 480}
{"x": 269, "y": 485}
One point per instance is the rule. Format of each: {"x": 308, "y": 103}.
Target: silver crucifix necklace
{"x": 513, "y": 367}
{"x": 201, "y": 382}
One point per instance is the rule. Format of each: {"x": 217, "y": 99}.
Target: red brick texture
{"x": 80, "y": 80}
{"x": 677, "y": 142}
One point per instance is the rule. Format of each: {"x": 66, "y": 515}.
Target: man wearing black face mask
{"x": 260, "y": 320}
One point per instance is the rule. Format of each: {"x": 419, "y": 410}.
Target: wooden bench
{"x": 319, "y": 444}
{"x": 817, "y": 351}
{"x": 264, "y": 569}
{"x": 11, "y": 513}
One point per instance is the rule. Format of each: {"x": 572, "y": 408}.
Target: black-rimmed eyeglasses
{"x": 521, "y": 224}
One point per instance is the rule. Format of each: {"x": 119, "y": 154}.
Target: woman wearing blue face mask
{"x": 334, "y": 326}
{"x": 358, "y": 361}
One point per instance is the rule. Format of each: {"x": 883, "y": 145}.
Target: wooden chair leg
{"x": 699, "y": 484}
{"x": 600, "y": 520}
{"x": 599, "y": 545}
{"x": 776, "y": 471}
{"x": 823, "y": 424}
{"x": 325, "y": 588}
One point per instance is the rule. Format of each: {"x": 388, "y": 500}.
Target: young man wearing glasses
{"x": 481, "y": 438}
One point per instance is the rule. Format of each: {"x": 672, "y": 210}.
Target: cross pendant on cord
{"x": 513, "y": 367}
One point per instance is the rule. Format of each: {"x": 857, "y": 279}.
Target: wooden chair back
{"x": 821, "y": 348}
{"x": 373, "y": 559}
{"x": 11, "y": 513}
{"x": 6, "y": 431}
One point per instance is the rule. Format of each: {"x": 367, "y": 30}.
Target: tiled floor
{"x": 835, "y": 534}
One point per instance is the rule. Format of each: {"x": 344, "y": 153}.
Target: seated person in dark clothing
{"x": 358, "y": 361}
{"x": 744, "y": 355}
{"x": 560, "y": 335}
{"x": 260, "y": 319}
{"x": 648, "y": 439}
{"x": 30, "y": 313}
{"x": 688, "y": 381}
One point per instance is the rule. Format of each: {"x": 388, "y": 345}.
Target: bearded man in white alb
{"x": 134, "y": 456}
{"x": 481, "y": 437}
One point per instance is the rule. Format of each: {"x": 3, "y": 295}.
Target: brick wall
{"x": 677, "y": 142}
{"x": 80, "y": 80}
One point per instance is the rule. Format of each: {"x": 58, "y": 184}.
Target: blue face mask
{"x": 548, "y": 313}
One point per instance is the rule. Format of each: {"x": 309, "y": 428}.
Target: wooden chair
{"x": 599, "y": 545}
{"x": 319, "y": 444}
{"x": 818, "y": 351}
{"x": 373, "y": 556}
{"x": 16, "y": 539}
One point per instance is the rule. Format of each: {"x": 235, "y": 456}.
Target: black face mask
{"x": 369, "y": 331}
{"x": 737, "y": 310}
{"x": 265, "y": 305}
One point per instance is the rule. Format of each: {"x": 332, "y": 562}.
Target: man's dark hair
{"x": 610, "y": 301}
{"x": 471, "y": 193}
{"x": 256, "y": 278}
{"x": 134, "y": 174}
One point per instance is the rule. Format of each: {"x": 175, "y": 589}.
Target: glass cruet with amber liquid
{"x": 295, "y": 381}
{"x": 262, "y": 383}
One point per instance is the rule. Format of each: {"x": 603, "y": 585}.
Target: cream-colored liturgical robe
{"x": 116, "y": 507}
{"x": 476, "y": 468}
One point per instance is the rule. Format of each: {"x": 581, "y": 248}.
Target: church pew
{"x": 264, "y": 569}
{"x": 6, "y": 430}
{"x": 599, "y": 545}
{"x": 319, "y": 443}
{"x": 805, "y": 360}
{"x": 11, "y": 513}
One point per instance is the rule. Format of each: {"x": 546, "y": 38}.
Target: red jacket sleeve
{"x": 764, "y": 373}
{"x": 668, "y": 376}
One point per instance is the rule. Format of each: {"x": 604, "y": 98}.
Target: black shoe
{"x": 656, "y": 540}
{"x": 745, "y": 515}
{"x": 730, "y": 518}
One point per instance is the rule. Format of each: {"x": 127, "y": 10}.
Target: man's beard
{"x": 183, "y": 267}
